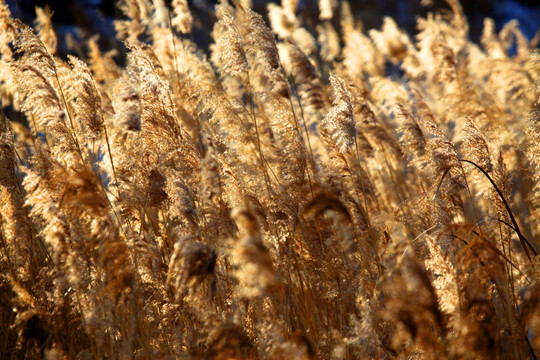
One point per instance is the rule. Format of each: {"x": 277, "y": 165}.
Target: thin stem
{"x": 522, "y": 239}
{"x": 297, "y": 125}
{"x": 64, "y": 101}
{"x": 258, "y": 143}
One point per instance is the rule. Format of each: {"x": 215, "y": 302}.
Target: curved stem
{"x": 523, "y": 240}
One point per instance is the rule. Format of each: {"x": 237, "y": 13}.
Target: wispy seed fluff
{"x": 182, "y": 17}
{"x": 340, "y": 120}
{"x": 283, "y": 21}
{"x": 255, "y": 268}
{"x": 326, "y": 8}
{"x": 262, "y": 53}
{"x": 228, "y": 52}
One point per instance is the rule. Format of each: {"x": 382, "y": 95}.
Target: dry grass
{"x": 285, "y": 194}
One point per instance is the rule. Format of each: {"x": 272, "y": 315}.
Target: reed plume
{"x": 215, "y": 183}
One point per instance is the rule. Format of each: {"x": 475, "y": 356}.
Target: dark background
{"x": 84, "y": 18}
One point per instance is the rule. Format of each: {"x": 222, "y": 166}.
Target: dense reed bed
{"x": 294, "y": 191}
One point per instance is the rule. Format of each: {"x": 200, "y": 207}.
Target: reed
{"x": 280, "y": 194}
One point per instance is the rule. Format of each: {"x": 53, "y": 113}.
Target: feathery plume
{"x": 391, "y": 41}
{"x": 256, "y": 272}
{"x": 306, "y": 77}
{"x": 474, "y": 146}
{"x": 340, "y": 120}
{"x": 102, "y": 65}
{"x": 138, "y": 13}
{"x": 40, "y": 101}
{"x": 329, "y": 41}
{"x": 326, "y": 8}
{"x": 8, "y": 31}
{"x": 86, "y": 100}
{"x": 32, "y": 50}
{"x": 182, "y": 16}
{"x": 262, "y": 53}
{"x": 413, "y": 139}
{"x": 45, "y": 29}
{"x": 282, "y": 21}
{"x": 191, "y": 264}
{"x": 228, "y": 52}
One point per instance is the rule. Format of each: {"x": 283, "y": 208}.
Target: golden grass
{"x": 286, "y": 199}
